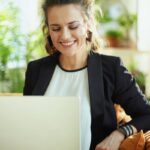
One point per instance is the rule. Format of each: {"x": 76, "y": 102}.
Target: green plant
{"x": 16, "y": 48}
{"x": 114, "y": 33}
{"x": 122, "y": 19}
{"x": 16, "y": 81}
{"x": 127, "y": 20}
{"x": 10, "y": 37}
{"x": 100, "y": 16}
{"x": 34, "y": 43}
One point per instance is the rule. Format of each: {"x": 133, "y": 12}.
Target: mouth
{"x": 68, "y": 44}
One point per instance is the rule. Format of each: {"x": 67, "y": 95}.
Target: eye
{"x": 56, "y": 29}
{"x": 73, "y": 27}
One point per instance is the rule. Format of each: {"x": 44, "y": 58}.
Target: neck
{"x": 73, "y": 62}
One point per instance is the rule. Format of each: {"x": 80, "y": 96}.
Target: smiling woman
{"x": 75, "y": 17}
{"x": 75, "y": 67}
{"x": 68, "y": 34}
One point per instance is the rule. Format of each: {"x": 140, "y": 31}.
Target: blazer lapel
{"x": 96, "y": 88}
{"x": 45, "y": 75}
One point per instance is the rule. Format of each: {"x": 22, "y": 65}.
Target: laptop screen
{"x": 39, "y": 123}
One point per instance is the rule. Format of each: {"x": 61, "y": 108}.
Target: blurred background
{"x": 123, "y": 26}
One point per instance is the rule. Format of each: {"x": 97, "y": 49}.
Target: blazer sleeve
{"x": 31, "y": 76}
{"x": 129, "y": 96}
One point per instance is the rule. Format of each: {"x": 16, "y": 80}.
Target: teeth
{"x": 67, "y": 43}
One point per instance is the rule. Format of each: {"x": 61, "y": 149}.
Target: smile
{"x": 67, "y": 44}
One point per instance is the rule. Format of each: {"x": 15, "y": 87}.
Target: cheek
{"x": 54, "y": 37}
{"x": 82, "y": 32}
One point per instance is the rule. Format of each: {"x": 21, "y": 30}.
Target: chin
{"x": 69, "y": 53}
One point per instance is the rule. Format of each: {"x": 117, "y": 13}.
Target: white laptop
{"x": 39, "y": 123}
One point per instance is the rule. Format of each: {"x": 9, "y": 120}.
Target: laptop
{"x": 39, "y": 123}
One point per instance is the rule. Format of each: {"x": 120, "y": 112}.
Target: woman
{"x": 74, "y": 68}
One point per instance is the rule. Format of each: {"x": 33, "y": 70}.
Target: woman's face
{"x": 67, "y": 29}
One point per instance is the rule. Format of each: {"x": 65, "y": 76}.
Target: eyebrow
{"x": 72, "y": 22}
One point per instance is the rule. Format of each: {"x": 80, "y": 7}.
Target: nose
{"x": 66, "y": 34}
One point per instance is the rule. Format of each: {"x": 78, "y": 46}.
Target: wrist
{"x": 120, "y": 135}
{"x": 127, "y": 130}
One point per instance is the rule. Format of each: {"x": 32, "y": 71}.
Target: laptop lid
{"x": 39, "y": 123}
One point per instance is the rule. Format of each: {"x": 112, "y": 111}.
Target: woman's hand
{"x": 111, "y": 142}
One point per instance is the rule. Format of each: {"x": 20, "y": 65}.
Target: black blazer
{"x": 109, "y": 83}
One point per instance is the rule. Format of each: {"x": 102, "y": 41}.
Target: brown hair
{"x": 86, "y": 5}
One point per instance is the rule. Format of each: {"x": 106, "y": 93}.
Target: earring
{"x": 89, "y": 36}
